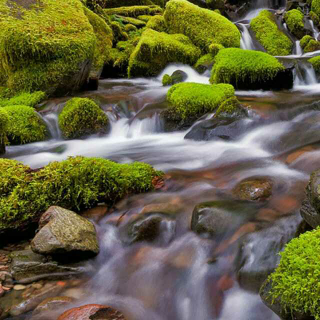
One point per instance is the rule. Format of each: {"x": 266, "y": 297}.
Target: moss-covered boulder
{"x": 309, "y": 44}
{"x": 315, "y": 61}
{"x": 157, "y": 49}
{"x": 82, "y": 116}
{"x": 202, "y": 26}
{"x": 75, "y": 184}
{"x": 176, "y": 77}
{"x": 295, "y": 22}
{"x": 24, "y": 125}
{"x": 24, "y": 98}
{"x": 315, "y": 7}
{"x": 157, "y": 23}
{"x": 134, "y": 11}
{"x": 292, "y": 291}
{"x": 204, "y": 63}
{"x": 47, "y": 45}
{"x": 3, "y": 130}
{"x": 269, "y": 35}
{"x": 248, "y": 69}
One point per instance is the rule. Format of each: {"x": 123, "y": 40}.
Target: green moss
{"x": 130, "y": 27}
{"x": 312, "y": 45}
{"x": 118, "y": 32}
{"x": 77, "y": 183}
{"x": 3, "y": 131}
{"x": 215, "y": 48}
{"x": 230, "y": 108}
{"x": 315, "y": 61}
{"x": 24, "y": 125}
{"x": 206, "y": 60}
{"x": 315, "y": 7}
{"x": 134, "y": 11}
{"x": 315, "y": 18}
{"x": 295, "y": 282}
{"x": 166, "y": 80}
{"x": 157, "y": 49}
{"x": 202, "y": 26}
{"x": 236, "y": 65}
{"x": 82, "y": 116}
{"x": 305, "y": 40}
{"x": 157, "y": 23}
{"x": 24, "y": 98}
{"x": 45, "y": 45}
{"x": 134, "y": 21}
{"x": 294, "y": 20}
{"x": 144, "y": 18}
{"x": 268, "y": 34}
{"x": 192, "y": 100}
{"x": 122, "y": 3}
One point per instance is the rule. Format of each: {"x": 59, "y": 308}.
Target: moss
{"x": 315, "y": 7}
{"x": 268, "y": 34}
{"x": 44, "y": 46}
{"x": 305, "y": 40}
{"x": 24, "y": 98}
{"x": 230, "y": 108}
{"x": 204, "y": 62}
{"x": 24, "y": 125}
{"x": 215, "y": 48}
{"x": 118, "y": 32}
{"x": 77, "y": 183}
{"x": 315, "y": 61}
{"x": 3, "y": 131}
{"x": 130, "y": 27}
{"x": 202, "y": 26}
{"x": 312, "y": 45}
{"x": 157, "y": 23}
{"x": 166, "y": 80}
{"x": 315, "y": 18}
{"x": 157, "y": 49}
{"x": 192, "y": 100}
{"x": 217, "y": 5}
{"x": 134, "y": 11}
{"x": 122, "y": 3}
{"x": 295, "y": 282}
{"x": 236, "y": 65}
{"x": 82, "y": 116}
{"x": 144, "y": 18}
{"x": 294, "y": 20}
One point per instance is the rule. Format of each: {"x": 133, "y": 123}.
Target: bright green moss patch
{"x": 294, "y": 20}
{"x": 268, "y": 34}
{"x": 315, "y": 7}
{"x": 315, "y": 61}
{"x": 75, "y": 184}
{"x": 82, "y": 116}
{"x": 134, "y": 11}
{"x": 202, "y": 26}
{"x": 144, "y": 18}
{"x": 24, "y": 125}
{"x": 204, "y": 62}
{"x": 230, "y": 108}
{"x": 305, "y": 40}
{"x": 236, "y": 65}
{"x": 315, "y": 18}
{"x": 296, "y": 280}
{"x": 166, "y": 80}
{"x": 25, "y": 98}
{"x": 3, "y": 130}
{"x": 157, "y": 23}
{"x": 192, "y": 100}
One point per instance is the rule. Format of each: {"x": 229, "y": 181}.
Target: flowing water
{"x": 182, "y": 276}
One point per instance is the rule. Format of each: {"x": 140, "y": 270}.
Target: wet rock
{"x": 176, "y": 77}
{"x": 51, "y": 304}
{"x": 92, "y": 311}
{"x": 65, "y": 232}
{"x": 220, "y": 218}
{"x": 259, "y": 253}
{"x": 253, "y": 189}
{"x": 27, "y": 266}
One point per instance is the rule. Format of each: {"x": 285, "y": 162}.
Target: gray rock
{"x": 63, "y": 232}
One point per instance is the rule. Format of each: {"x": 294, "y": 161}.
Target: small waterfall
{"x": 315, "y": 31}
{"x": 246, "y": 39}
{"x": 298, "y": 49}
{"x": 304, "y": 75}
{"x": 51, "y": 121}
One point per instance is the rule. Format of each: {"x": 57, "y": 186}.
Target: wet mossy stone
{"x": 48, "y": 45}
{"x": 295, "y": 283}
{"x": 24, "y": 98}
{"x": 134, "y": 11}
{"x": 204, "y": 63}
{"x": 269, "y": 35}
{"x": 315, "y": 61}
{"x": 157, "y": 23}
{"x": 82, "y": 116}
{"x": 176, "y": 77}
{"x": 156, "y": 50}
{"x": 309, "y": 44}
{"x": 250, "y": 70}
{"x": 75, "y": 184}
{"x": 295, "y": 22}
{"x": 315, "y": 18}
{"x": 315, "y": 7}
{"x": 122, "y": 3}
{"x": 202, "y": 26}
{"x": 25, "y": 125}
{"x": 4, "y": 119}
{"x": 231, "y": 108}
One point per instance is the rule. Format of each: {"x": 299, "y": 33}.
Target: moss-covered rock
{"x": 24, "y": 125}
{"x": 157, "y": 49}
{"x": 295, "y": 22}
{"x": 269, "y": 35}
{"x": 315, "y": 7}
{"x": 315, "y": 61}
{"x": 74, "y": 184}
{"x": 248, "y": 69}
{"x": 189, "y": 101}
{"x": 231, "y": 108}
{"x": 157, "y": 23}
{"x": 294, "y": 285}
{"x": 80, "y": 117}
{"x": 24, "y": 98}
{"x": 202, "y": 26}
{"x": 134, "y": 11}
{"x": 122, "y": 3}
{"x": 3, "y": 130}
{"x": 45, "y": 45}
{"x": 176, "y": 77}
{"x": 309, "y": 44}
{"x": 130, "y": 27}
{"x": 315, "y": 18}
{"x": 204, "y": 63}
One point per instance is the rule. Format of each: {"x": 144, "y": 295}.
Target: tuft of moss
{"x": 3, "y": 130}
{"x": 82, "y": 116}
{"x": 269, "y": 35}
{"x": 134, "y": 11}
{"x": 310, "y": 44}
{"x": 204, "y": 62}
{"x": 230, "y": 108}
{"x": 24, "y": 125}
{"x": 157, "y": 23}
{"x": 234, "y": 65}
{"x": 294, "y": 20}
{"x": 157, "y": 49}
{"x": 77, "y": 183}
{"x": 130, "y": 27}
{"x": 118, "y": 32}
{"x": 193, "y": 100}
{"x": 315, "y": 7}
{"x": 144, "y": 18}
{"x": 25, "y": 99}
{"x": 315, "y": 61}
{"x": 126, "y": 20}
{"x": 202, "y": 26}
{"x": 315, "y": 18}
{"x": 166, "y": 80}
{"x": 295, "y": 282}
{"x": 305, "y": 40}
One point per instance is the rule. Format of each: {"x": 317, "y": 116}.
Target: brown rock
{"x": 253, "y": 189}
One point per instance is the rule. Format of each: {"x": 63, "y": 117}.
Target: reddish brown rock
{"x": 92, "y": 311}
{"x": 253, "y": 189}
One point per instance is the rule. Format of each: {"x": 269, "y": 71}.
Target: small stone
{"x": 19, "y": 287}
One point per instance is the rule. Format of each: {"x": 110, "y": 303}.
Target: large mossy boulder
{"x": 204, "y": 27}
{"x": 315, "y": 7}
{"x": 292, "y": 291}
{"x": 295, "y": 22}
{"x": 63, "y": 232}
{"x": 75, "y": 184}
{"x": 189, "y": 101}
{"x": 250, "y": 70}
{"x": 3, "y": 130}
{"x": 48, "y": 45}
{"x": 134, "y": 11}
{"x": 157, "y": 49}
{"x": 82, "y": 116}
{"x": 309, "y": 44}
{"x": 269, "y": 35}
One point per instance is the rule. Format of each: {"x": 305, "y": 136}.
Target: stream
{"x": 181, "y": 275}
